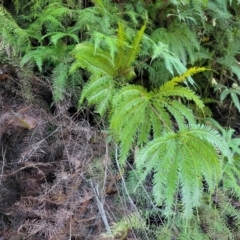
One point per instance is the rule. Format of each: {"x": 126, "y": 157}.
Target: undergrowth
{"x": 149, "y": 73}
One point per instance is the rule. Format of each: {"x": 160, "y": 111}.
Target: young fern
{"x": 109, "y": 69}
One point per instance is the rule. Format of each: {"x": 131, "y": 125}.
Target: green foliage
{"x": 44, "y": 39}
{"x": 210, "y": 222}
{"x": 51, "y": 28}
{"x": 180, "y": 161}
{"x": 216, "y": 217}
{"x": 109, "y": 68}
{"x": 183, "y": 46}
{"x": 11, "y": 33}
{"x": 234, "y": 93}
{"x": 121, "y": 228}
{"x": 152, "y": 41}
{"x": 231, "y": 171}
{"x": 157, "y": 109}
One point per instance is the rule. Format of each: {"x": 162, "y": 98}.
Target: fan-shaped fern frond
{"x": 156, "y": 107}
{"x": 180, "y": 161}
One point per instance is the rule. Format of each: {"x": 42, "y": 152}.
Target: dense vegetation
{"x": 120, "y": 119}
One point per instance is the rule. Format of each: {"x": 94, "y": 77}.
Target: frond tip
{"x": 190, "y": 72}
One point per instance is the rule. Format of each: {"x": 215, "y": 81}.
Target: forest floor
{"x": 57, "y": 180}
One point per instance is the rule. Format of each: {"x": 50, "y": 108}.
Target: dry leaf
{"x": 85, "y": 202}
{"x": 23, "y": 121}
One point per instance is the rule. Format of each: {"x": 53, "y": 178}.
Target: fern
{"x": 171, "y": 62}
{"x": 163, "y": 63}
{"x": 56, "y": 36}
{"x": 156, "y": 107}
{"x": 209, "y": 222}
{"x": 51, "y": 18}
{"x": 234, "y": 93}
{"x": 109, "y": 69}
{"x": 230, "y": 179}
{"x": 181, "y": 161}
{"x": 121, "y": 228}
{"x": 12, "y": 33}
{"x": 182, "y": 46}
{"x": 39, "y": 55}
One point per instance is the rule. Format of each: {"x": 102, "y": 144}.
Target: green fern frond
{"x": 99, "y": 62}
{"x": 134, "y": 99}
{"x": 106, "y": 42}
{"x": 171, "y": 62}
{"x": 56, "y": 36}
{"x": 181, "y": 92}
{"x": 43, "y": 53}
{"x": 121, "y": 46}
{"x": 38, "y": 55}
{"x": 182, "y": 46}
{"x": 135, "y": 47}
{"x": 156, "y": 108}
{"x": 99, "y": 91}
{"x": 60, "y": 75}
{"x": 183, "y": 159}
{"x": 234, "y": 93}
{"x": 121, "y": 228}
{"x": 12, "y": 33}
{"x": 231, "y": 179}
{"x": 228, "y": 135}
{"x": 176, "y": 109}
